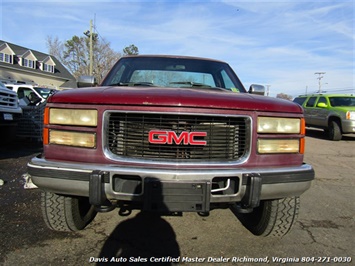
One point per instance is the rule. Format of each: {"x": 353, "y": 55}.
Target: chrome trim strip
{"x": 164, "y": 174}
{"x": 116, "y": 158}
{"x": 58, "y": 168}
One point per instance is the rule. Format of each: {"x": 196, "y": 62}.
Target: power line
{"x": 98, "y": 33}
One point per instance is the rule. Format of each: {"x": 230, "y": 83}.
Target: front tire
{"x": 66, "y": 214}
{"x": 272, "y": 217}
{"x": 334, "y": 131}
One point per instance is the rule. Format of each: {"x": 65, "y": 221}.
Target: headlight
{"x": 75, "y": 117}
{"x": 350, "y": 115}
{"x": 279, "y": 146}
{"x": 68, "y": 138}
{"x": 279, "y": 125}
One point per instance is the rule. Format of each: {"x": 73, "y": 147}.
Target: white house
{"x": 23, "y": 65}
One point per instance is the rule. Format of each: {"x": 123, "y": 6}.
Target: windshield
{"x": 44, "y": 92}
{"x": 173, "y": 72}
{"x": 342, "y": 101}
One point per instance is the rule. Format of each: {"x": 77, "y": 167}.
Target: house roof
{"x": 60, "y": 72}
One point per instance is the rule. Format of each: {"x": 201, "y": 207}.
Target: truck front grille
{"x": 227, "y": 138}
{"x": 8, "y": 100}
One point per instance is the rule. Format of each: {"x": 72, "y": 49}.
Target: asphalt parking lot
{"x": 324, "y": 233}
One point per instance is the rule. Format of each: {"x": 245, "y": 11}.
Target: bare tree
{"x": 284, "y": 96}
{"x": 74, "y": 54}
{"x": 104, "y": 59}
{"x": 55, "y": 47}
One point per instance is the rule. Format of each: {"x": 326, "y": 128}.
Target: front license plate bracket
{"x": 176, "y": 196}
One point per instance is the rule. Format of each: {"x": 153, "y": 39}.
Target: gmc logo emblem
{"x": 170, "y": 137}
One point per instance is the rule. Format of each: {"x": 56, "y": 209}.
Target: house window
{"x": 28, "y": 63}
{"x": 48, "y": 68}
{"x": 5, "y": 58}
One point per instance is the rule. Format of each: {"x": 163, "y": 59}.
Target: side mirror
{"x": 86, "y": 81}
{"x": 257, "y": 89}
{"x": 322, "y": 105}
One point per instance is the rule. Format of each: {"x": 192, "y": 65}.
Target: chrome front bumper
{"x": 102, "y": 182}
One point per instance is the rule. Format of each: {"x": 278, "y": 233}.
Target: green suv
{"x": 335, "y": 113}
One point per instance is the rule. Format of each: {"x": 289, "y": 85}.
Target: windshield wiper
{"x": 142, "y": 83}
{"x": 192, "y": 84}
{"x": 199, "y": 85}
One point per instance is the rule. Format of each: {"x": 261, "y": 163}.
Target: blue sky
{"x": 278, "y": 43}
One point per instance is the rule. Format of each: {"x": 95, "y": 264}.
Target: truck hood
{"x": 174, "y": 97}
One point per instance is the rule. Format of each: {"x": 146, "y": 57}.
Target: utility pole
{"x": 91, "y": 52}
{"x": 268, "y": 90}
{"x": 319, "y": 80}
{"x": 89, "y": 34}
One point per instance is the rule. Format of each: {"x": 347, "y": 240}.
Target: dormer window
{"x": 28, "y": 63}
{"x": 6, "y": 58}
{"x": 47, "y": 65}
{"x": 29, "y": 60}
{"x": 6, "y": 54}
{"x": 48, "y": 68}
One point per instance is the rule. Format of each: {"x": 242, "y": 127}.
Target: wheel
{"x": 272, "y": 217}
{"x": 334, "y": 131}
{"x": 63, "y": 213}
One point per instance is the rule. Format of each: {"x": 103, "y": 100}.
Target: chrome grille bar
{"x": 227, "y": 137}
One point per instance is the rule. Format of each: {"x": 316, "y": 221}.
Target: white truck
{"x": 10, "y": 111}
{"x": 29, "y": 94}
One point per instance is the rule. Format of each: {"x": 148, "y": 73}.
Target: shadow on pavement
{"x": 138, "y": 240}
{"x": 320, "y": 134}
{"x": 316, "y": 133}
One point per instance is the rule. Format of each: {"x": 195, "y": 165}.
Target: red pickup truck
{"x": 171, "y": 134}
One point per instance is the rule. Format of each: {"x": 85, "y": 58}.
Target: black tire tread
{"x": 334, "y": 131}
{"x": 273, "y": 217}
{"x": 61, "y": 213}
{"x": 283, "y": 215}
